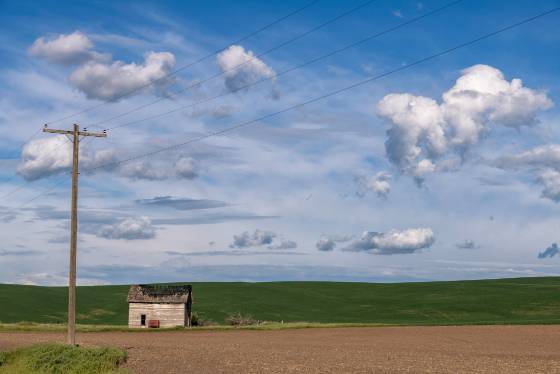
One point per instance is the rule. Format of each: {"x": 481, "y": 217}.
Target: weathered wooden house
{"x": 159, "y": 306}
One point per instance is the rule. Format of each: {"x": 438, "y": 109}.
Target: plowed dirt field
{"x": 462, "y": 349}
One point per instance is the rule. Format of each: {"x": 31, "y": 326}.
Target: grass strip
{"x": 56, "y": 358}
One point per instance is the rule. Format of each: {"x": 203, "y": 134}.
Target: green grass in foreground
{"x": 503, "y": 301}
{"x": 54, "y": 358}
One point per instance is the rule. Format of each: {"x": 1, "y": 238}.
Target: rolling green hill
{"x": 523, "y": 300}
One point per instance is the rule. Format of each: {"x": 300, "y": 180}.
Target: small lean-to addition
{"x": 159, "y": 306}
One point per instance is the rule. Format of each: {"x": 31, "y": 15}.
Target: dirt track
{"x": 473, "y": 349}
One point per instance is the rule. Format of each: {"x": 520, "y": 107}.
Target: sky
{"x": 268, "y": 141}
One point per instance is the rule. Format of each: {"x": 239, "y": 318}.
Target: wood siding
{"x": 169, "y": 315}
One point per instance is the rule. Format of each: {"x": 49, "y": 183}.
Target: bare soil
{"x": 461, "y": 349}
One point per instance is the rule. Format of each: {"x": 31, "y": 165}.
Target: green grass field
{"x": 522, "y": 300}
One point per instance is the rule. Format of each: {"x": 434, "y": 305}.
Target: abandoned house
{"x": 159, "y": 306}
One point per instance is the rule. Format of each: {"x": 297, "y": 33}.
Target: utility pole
{"x": 74, "y": 136}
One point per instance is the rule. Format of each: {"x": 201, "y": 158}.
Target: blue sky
{"x": 447, "y": 170}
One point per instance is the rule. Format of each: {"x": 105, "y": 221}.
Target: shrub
{"x": 199, "y": 321}
{"x": 240, "y": 319}
{"x": 53, "y": 358}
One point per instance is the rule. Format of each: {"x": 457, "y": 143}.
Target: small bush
{"x": 54, "y": 358}
{"x": 4, "y": 357}
{"x": 240, "y": 319}
{"x": 199, "y": 321}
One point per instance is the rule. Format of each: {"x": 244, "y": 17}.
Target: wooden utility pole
{"x": 75, "y": 138}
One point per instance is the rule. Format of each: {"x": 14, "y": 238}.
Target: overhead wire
{"x": 332, "y": 93}
{"x": 186, "y": 66}
{"x": 246, "y": 62}
{"x": 321, "y": 97}
{"x": 293, "y": 68}
{"x": 172, "y": 73}
{"x": 281, "y": 45}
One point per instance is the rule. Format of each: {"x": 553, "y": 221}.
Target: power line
{"x": 45, "y": 192}
{"x": 333, "y": 93}
{"x": 268, "y": 51}
{"x": 330, "y": 94}
{"x": 289, "y": 70}
{"x": 174, "y": 72}
{"x": 281, "y": 45}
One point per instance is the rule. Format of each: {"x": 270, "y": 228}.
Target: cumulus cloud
{"x": 393, "y": 242}
{"x": 325, "y": 244}
{"x": 72, "y": 48}
{"x": 551, "y": 251}
{"x": 255, "y": 239}
{"x": 241, "y": 67}
{"x": 424, "y": 133}
{"x": 41, "y": 158}
{"x": 550, "y": 180}
{"x": 328, "y": 243}
{"x": 380, "y": 184}
{"x": 108, "y": 81}
{"x": 261, "y": 238}
{"x": 182, "y": 168}
{"x": 467, "y": 244}
{"x": 130, "y": 228}
{"x": 97, "y": 75}
{"x": 544, "y": 160}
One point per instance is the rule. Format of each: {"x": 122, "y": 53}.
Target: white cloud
{"x": 108, "y": 81}
{"x": 328, "y": 243}
{"x": 97, "y": 76}
{"x": 380, "y": 184}
{"x": 550, "y": 179}
{"x": 325, "y": 244}
{"x": 538, "y": 157}
{"x": 72, "y": 48}
{"x": 393, "y": 242}
{"x": 423, "y": 131}
{"x": 545, "y": 160}
{"x": 261, "y": 238}
{"x": 128, "y": 229}
{"x": 250, "y": 67}
{"x": 42, "y": 158}
{"x": 182, "y": 168}
{"x": 257, "y": 238}
{"x": 185, "y": 168}
{"x": 55, "y": 279}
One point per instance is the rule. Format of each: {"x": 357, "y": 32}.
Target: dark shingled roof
{"x": 142, "y": 293}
